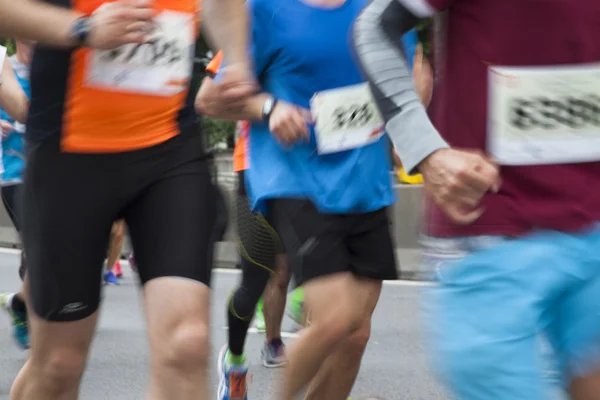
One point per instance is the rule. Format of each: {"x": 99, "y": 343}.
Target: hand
{"x": 422, "y": 76}
{"x": 288, "y": 123}
{"x": 237, "y": 83}
{"x": 120, "y": 22}
{"x": 7, "y": 128}
{"x": 457, "y": 181}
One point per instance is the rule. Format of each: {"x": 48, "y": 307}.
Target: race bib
{"x": 544, "y": 115}
{"x": 346, "y": 118}
{"x": 162, "y": 66}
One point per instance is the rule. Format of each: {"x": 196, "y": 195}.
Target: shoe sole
{"x": 273, "y": 366}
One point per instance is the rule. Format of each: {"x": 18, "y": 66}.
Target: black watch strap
{"x": 268, "y": 108}
{"x": 80, "y": 31}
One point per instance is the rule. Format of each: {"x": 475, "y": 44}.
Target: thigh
{"x": 372, "y": 253}
{"x": 68, "y": 212}
{"x": 315, "y": 243}
{"x": 171, "y": 224}
{"x": 491, "y": 306}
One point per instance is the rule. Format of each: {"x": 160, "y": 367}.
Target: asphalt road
{"x": 394, "y": 367}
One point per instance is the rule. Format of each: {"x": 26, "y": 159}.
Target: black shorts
{"x": 323, "y": 244}
{"x": 164, "y": 193}
{"x": 11, "y": 197}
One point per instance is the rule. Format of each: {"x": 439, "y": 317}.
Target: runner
{"x": 522, "y": 260}
{"x": 113, "y": 136}
{"x": 15, "y": 86}
{"x": 263, "y": 271}
{"x": 330, "y": 213}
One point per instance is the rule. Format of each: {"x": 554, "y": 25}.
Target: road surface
{"x": 394, "y": 366}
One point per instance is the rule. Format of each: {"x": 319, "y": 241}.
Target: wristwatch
{"x": 80, "y": 31}
{"x": 268, "y": 108}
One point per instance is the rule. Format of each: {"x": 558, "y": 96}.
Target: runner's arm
{"x": 12, "y": 97}
{"x": 207, "y": 103}
{"x": 384, "y": 64}
{"x": 37, "y": 21}
{"x": 226, "y": 24}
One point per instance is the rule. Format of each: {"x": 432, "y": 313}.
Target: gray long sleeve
{"x": 377, "y": 34}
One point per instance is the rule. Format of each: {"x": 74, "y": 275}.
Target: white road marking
{"x": 233, "y": 271}
{"x": 6, "y": 250}
{"x": 286, "y": 335}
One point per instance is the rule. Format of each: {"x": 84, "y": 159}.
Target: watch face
{"x": 268, "y": 107}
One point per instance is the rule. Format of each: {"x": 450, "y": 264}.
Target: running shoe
{"x": 110, "y": 278}
{"x": 295, "y": 306}
{"x": 19, "y": 321}
{"x": 117, "y": 270}
{"x": 273, "y": 354}
{"x": 259, "y": 317}
{"x": 232, "y": 377}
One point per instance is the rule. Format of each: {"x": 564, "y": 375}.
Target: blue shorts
{"x": 497, "y": 297}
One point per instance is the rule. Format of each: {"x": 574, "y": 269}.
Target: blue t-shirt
{"x": 299, "y": 50}
{"x": 13, "y": 147}
{"x": 410, "y": 40}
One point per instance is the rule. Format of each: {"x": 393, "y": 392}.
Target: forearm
{"x": 12, "y": 97}
{"x": 250, "y": 111}
{"x": 380, "y": 56}
{"x": 16, "y": 105}
{"x": 226, "y": 23}
{"x": 37, "y": 21}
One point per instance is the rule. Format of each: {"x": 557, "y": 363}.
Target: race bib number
{"x": 161, "y": 66}
{"x": 544, "y": 115}
{"x": 346, "y": 118}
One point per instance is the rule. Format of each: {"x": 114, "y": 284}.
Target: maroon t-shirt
{"x": 480, "y": 33}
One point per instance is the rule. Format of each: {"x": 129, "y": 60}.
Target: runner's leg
{"x": 115, "y": 246}
{"x": 69, "y": 193}
{"x": 274, "y": 298}
{"x": 171, "y": 225}
{"x": 14, "y": 303}
{"x": 546, "y": 281}
{"x": 337, "y": 373}
{"x": 257, "y": 262}
{"x": 342, "y": 282}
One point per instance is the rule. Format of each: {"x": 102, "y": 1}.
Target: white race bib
{"x": 346, "y": 118}
{"x": 162, "y": 66}
{"x": 544, "y": 115}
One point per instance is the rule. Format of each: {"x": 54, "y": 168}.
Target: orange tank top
{"x": 130, "y": 97}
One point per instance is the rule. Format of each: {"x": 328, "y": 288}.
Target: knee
{"x": 339, "y": 326}
{"x": 187, "y": 347}
{"x": 63, "y": 369}
{"x": 357, "y": 341}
